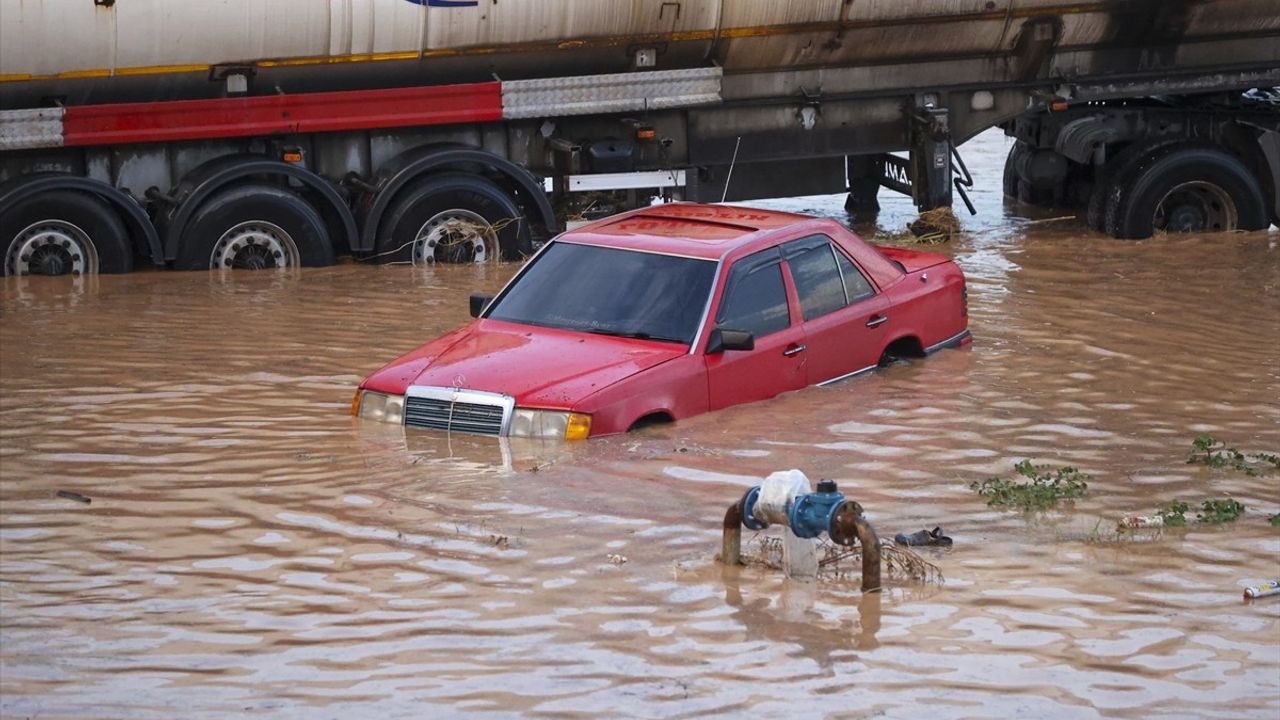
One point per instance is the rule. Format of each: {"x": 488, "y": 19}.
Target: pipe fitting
{"x": 811, "y": 514}
{"x": 748, "y": 510}
{"x": 807, "y": 516}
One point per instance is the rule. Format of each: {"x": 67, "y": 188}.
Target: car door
{"x": 843, "y": 316}
{"x": 756, "y": 299}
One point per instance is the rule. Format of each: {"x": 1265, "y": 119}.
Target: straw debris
{"x": 938, "y": 222}
{"x": 838, "y": 563}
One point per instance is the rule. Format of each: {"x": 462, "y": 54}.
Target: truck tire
{"x": 64, "y": 232}
{"x": 453, "y": 217}
{"x": 1185, "y": 188}
{"x": 1118, "y": 167}
{"x": 1014, "y": 186}
{"x": 255, "y": 227}
{"x": 1010, "y": 169}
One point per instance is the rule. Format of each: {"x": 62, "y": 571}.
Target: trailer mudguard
{"x": 142, "y": 232}
{"x": 410, "y": 165}
{"x": 201, "y": 183}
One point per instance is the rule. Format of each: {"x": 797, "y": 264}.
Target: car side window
{"x": 856, "y": 286}
{"x": 826, "y": 280}
{"x": 818, "y": 280}
{"x": 756, "y": 299}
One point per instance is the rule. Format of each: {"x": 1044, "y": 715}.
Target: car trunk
{"x": 912, "y": 260}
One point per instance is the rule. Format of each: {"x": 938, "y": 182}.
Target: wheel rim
{"x": 52, "y": 247}
{"x": 255, "y": 245}
{"x": 455, "y": 236}
{"x": 1195, "y": 207}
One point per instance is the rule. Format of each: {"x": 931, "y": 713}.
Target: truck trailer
{"x": 252, "y": 134}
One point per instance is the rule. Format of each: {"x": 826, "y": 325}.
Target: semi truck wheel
{"x": 255, "y": 227}
{"x": 1117, "y": 168}
{"x": 1011, "y": 171}
{"x": 64, "y": 232}
{"x": 455, "y": 218}
{"x": 1181, "y": 188}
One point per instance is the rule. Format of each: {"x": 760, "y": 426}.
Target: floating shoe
{"x": 924, "y": 537}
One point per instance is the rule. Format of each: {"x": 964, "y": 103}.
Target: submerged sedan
{"x": 670, "y": 311}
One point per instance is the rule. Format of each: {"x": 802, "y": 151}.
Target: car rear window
{"x": 610, "y": 292}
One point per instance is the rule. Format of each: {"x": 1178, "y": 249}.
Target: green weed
{"x": 1209, "y": 450}
{"x": 1216, "y": 512}
{"x": 1275, "y": 520}
{"x": 1044, "y": 489}
{"x": 1211, "y": 512}
{"x": 1174, "y": 514}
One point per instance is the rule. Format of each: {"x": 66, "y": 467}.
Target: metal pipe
{"x": 731, "y": 544}
{"x": 870, "y": 554}
{"x": 849, "y": 524}
{"x": 154, "y": 194}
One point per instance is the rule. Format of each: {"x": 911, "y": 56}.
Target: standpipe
{"x": 806, "y": 516}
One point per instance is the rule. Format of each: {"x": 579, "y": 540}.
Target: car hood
{"x": 540, "y": 367}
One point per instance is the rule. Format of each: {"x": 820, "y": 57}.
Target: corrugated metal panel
{"x": 625, "y": 92}
{"x": 25, "y": 129}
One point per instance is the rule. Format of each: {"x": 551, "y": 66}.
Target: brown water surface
{"x": 252, "y": 549}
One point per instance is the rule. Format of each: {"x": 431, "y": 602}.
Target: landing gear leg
{"x": 864, "y": 173}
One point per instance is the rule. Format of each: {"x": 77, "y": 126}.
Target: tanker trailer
{"x": 248, "y": 134}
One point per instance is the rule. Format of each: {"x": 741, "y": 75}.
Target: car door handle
{"x": 878, "y": 320}
{"x": 793, "y": 350}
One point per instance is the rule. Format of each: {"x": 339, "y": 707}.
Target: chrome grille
{"x": 440, "y": 414}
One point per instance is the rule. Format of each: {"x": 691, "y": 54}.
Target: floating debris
{"x": 838, "y": 563}
{"x": 935, "y": 226}
{"x": 67, "y": 494}
{"x": 1266, "y": 589}
{"x": 932, "y": 537}
{"x": 617, "y": 559}
{"x": 1134, "y": 522}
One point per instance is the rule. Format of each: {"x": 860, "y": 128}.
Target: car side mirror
{"x": 722, "y": 340}
{"x": 479, "y": 301}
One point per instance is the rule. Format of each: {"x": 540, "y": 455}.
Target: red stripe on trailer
{"x": 276, "y": 114}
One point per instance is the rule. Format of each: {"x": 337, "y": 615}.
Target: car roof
{"x": 688, "y": 229}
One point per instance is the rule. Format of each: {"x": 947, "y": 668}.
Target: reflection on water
{"x": 250, "y": 548}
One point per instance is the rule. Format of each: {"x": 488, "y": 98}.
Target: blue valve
{"x": 748, "y": 507}
{"x": 811, "y": 514}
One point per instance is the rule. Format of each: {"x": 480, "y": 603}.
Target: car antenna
{"x": 732, "y": 162}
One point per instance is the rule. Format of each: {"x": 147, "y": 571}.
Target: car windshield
{"x": 611, "y": 292}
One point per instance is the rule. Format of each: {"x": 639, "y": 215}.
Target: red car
{"x": 670, "y": 311}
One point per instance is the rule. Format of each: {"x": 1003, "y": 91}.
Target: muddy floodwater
{"x": 251, "y": 550}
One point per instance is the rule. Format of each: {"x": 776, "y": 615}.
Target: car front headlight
{"x": 550, "y": 424}
{"x": 381, "y": 407}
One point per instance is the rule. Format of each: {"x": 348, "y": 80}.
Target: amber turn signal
{"x": 578, "y": 428}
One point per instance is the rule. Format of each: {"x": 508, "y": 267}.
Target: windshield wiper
{"x": 636, "y": 334}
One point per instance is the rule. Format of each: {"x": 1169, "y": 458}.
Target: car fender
{"x": 677, "y": 387}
